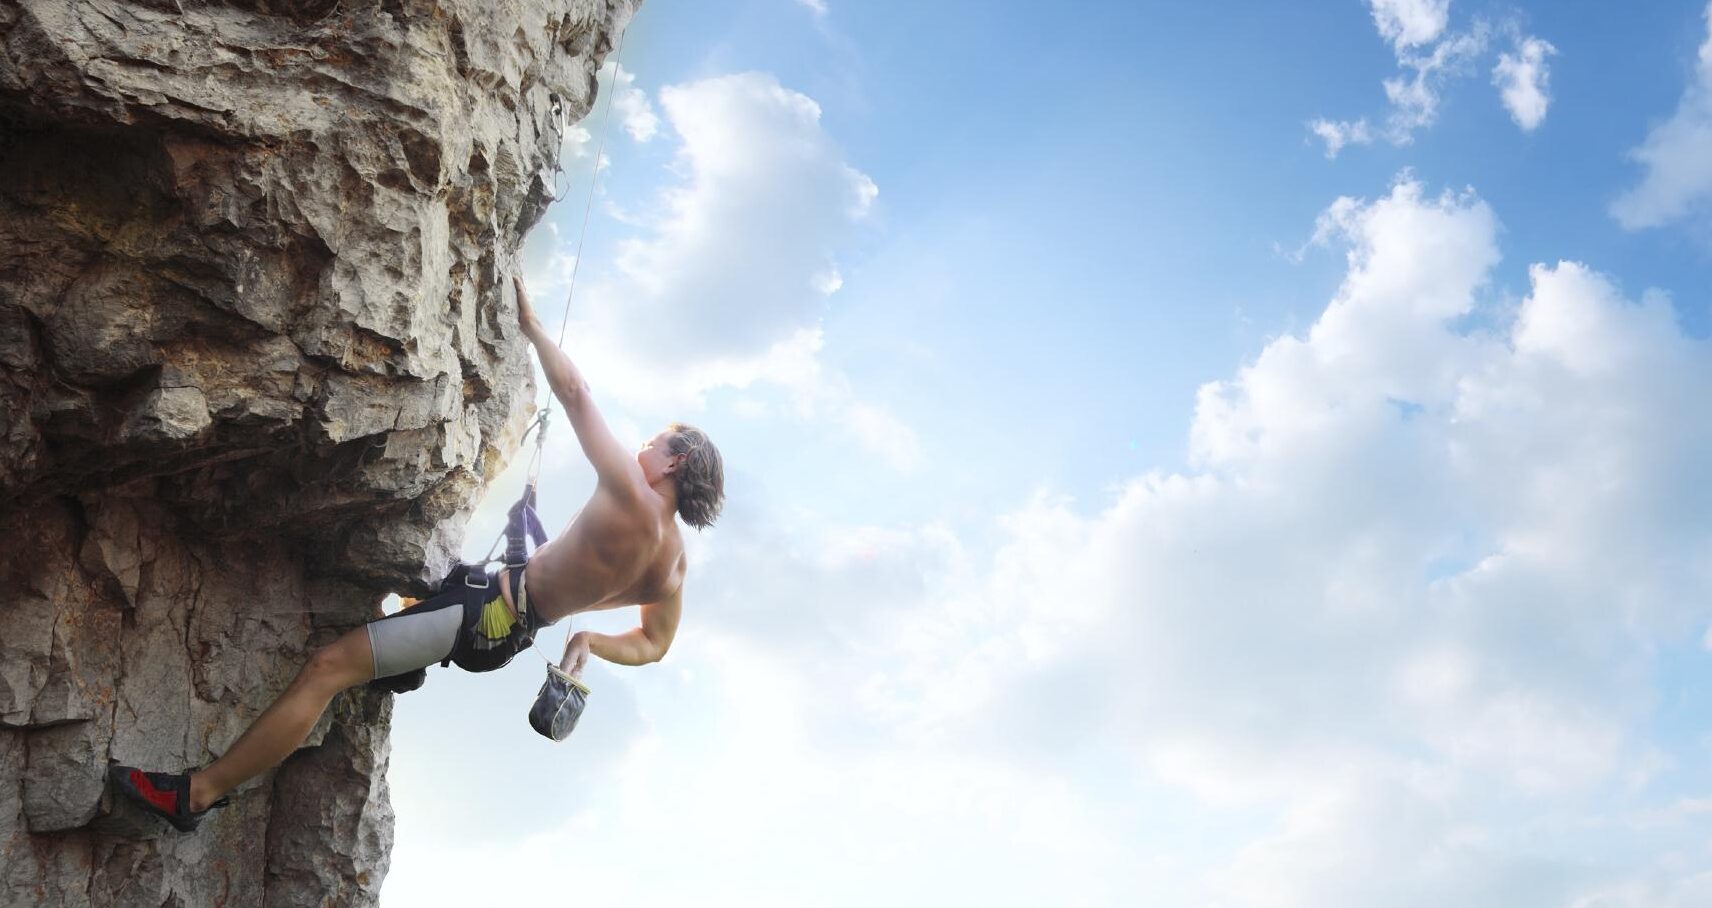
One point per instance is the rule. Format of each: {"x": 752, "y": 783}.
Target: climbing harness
{"x": 487, "y": 634}
{"x": 491, "y": 633}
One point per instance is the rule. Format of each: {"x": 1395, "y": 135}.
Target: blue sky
{"x": 1133, "y": 497}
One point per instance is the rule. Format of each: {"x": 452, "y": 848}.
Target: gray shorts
{"x": 428, "y": 631}
{"x": 416, "y": 637}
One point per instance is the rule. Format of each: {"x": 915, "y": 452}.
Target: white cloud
{"x": 729, "y": 268}
{"x": 576, "y": 142}
{"x": 728, "y": 282}
{"x": 635, "y": 115}
{"x": 1409, "y": 597}
{"x": 1338, "y": 134}
{"x": 1388, "y": 844}
{"x": 763, "y": 814}
{"x": 1410, "y": 23}
{"x": 827, "y": 282}
{"x": 1430, "y": 57}
{"x": 1522, "y": 79}
{"x": 1676, "y": 156}
{"x": 548, "y": 274}
{"x": 635, "y": 112}
{"x": 1414, "y": 98}
{"x": 818, "y": 7}
{"x": 817, "y": 395}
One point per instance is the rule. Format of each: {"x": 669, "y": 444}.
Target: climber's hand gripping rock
{"x": 526, "y": 318}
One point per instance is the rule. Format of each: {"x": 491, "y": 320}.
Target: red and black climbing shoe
{"x": 164, "y": 794}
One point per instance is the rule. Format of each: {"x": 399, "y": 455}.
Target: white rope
{"x": 594, "y": 180}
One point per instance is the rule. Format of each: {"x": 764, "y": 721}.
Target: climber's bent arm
{"x": 646, "y": 643}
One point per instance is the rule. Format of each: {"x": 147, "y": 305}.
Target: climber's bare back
{"x": 622, "y": 548}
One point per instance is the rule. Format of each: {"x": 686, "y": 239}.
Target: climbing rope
{"x": 582, "y": 237}
{"x": 540, "y": 421}
{"x": 594, "y": 179}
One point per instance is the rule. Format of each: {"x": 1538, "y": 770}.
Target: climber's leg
{"x": 344, "y": 663}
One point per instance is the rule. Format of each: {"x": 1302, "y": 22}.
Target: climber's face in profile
{"x": 655, "y": 456}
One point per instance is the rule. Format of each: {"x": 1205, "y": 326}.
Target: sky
{"x": 1238, "y": 455}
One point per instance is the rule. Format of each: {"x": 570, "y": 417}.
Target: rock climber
{"x": 623, "y": 548}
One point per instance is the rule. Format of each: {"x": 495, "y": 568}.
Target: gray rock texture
{"x": 257, "y": 361}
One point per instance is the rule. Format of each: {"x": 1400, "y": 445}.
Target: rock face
{"x": 257, "y": 360}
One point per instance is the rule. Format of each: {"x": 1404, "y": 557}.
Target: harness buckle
{"x": 470, "y": 581}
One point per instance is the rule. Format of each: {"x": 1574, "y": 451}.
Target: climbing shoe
{"x": 163, "y": 794}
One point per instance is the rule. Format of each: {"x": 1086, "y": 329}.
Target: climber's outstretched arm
{"x": 612, "y": 463}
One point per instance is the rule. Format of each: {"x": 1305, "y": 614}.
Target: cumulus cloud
{"x": 1522, "y": 79}
{"x": 1490, "y": 564}
{"x": 1676, "y": 156}
{"x": 576, "y": 142}
{"x": 635, "y": 112}
{"x": 1430, "y": 57}
{"x": 730, "y": 266}
{"x": 636, "y": 116}
{"x": 1410, "y": 593}
{"x": 1410, "y": 23}
{"x": 1405, "y": 601}
{"x": 728, "y": 278}
{"x": 816, "y": 394}
{"x": 548, "y": 273}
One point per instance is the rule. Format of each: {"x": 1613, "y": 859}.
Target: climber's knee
{"x": 323, "y": 664}
{"x": 340, "y": 664}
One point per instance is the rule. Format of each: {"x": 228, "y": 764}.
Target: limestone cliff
{"x": 257, "y": 361}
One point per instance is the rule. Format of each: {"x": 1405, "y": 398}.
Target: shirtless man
{"x": 623, "y": 548}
